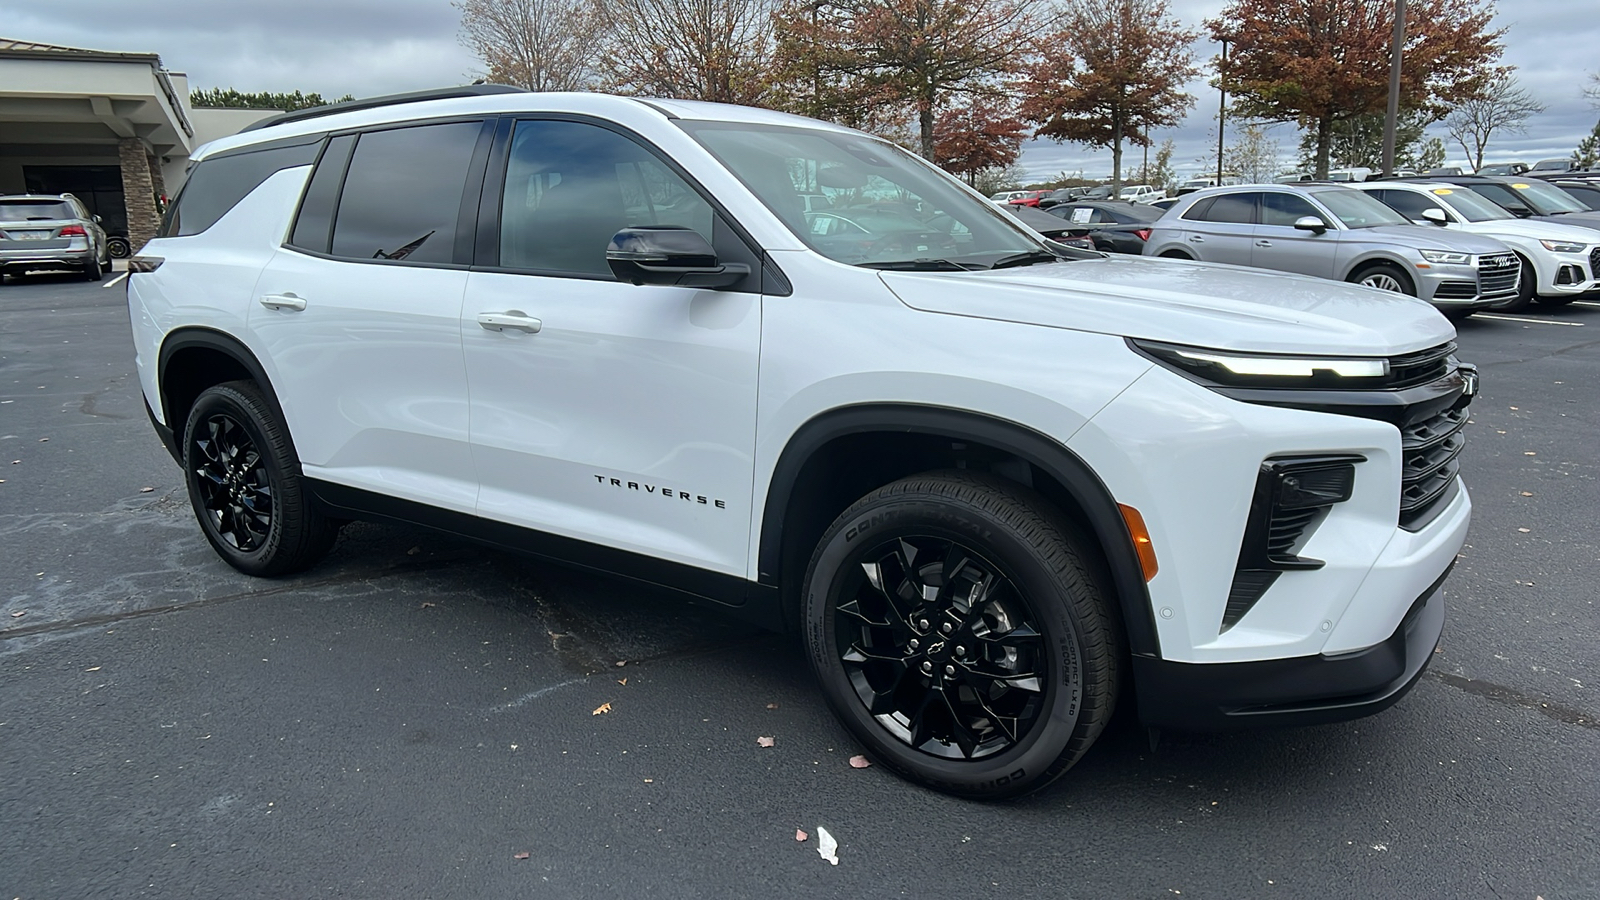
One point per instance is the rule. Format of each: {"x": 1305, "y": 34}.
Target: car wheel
{"x": 118, "y": 247}
{"x": 958, "y": 632}
{"x": 92, "y": 270}
{"x": 245, "y": 484}
{"x": 1555, "y": 301}
{"x": 1525, "y": 284}
{"x": 1384, "y": 277}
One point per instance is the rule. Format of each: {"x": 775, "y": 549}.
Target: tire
{"x": 92, "y": 270}
{"x": 118, "y": 247}
{"x": 903, "y": 668}
{"x": 1525, "y": 285}
{"x": 1384, "y": 277}
{"x": 245, "y": 484}
{"x": 1556, "y": 301}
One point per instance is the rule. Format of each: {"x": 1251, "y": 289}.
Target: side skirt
{"x": 747, "y": 600}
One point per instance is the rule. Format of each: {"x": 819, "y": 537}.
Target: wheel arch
{"x": 1378, "y": 260}
{"x": 821, "y": 470}
{"x": 193, "y": 359}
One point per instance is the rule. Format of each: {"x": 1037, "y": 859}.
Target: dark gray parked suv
{"x": 1333, "y": 231}
{"x": 50, "y": 231}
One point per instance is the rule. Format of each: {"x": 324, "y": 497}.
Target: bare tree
{"x": 1592, "y": 89}
{"x": 1502, "y": 107}
{"x": 541, "y": 45}
{"x": 1253, "y": 155}
{"x": 718, "y": 50}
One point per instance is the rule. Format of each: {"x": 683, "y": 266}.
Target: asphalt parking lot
{"x": 416, "y": 713}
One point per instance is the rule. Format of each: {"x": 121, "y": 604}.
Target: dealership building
{"x": 114, "y": 129}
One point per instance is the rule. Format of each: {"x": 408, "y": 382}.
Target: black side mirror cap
{"x": 669, "y": 255}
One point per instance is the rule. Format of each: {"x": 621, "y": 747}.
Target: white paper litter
{"x": 827, "y": 847}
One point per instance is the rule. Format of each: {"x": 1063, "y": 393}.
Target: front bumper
{"x": 1305, "y": 690}
{"x": 1453, "y": 287}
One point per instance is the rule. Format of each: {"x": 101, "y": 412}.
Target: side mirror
{"x": 1436, "y": 216}
{"x": 669, "y": 255}
{"x": 1311, "y": 223}
{"x": 97, "y": 220}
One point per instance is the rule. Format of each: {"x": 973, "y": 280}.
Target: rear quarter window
{"x": 217, "y": 184}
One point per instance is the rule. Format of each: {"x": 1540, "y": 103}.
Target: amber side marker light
{"x": 1141, "y": 540}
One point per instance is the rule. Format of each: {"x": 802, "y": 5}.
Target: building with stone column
{"x": 115, "y": 129}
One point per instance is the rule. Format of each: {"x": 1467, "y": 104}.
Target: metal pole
{"x": 1393, "y": 117}
{"x": 1222, "y": 106}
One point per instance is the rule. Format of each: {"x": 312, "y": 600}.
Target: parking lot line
{"x": 1588, "y": 303}
{"x": 1529, "y": 321}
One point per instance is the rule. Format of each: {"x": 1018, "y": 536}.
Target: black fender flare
{"x": 211, "y": 339}
{"x": 1102, "y": 516}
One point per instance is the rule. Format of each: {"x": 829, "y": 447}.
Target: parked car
{"x": 1061, "y": 195}
{"x": 1098, "y": 192}
{"x": 1141, "y": 193}
{"x": 1558, "y": 261}
{"x": 50, "y": 231}
{"x": 1006, "y": 196}
{"x": 1114, "y": 226}
{"x": 1053, "y": 227}
{"x": 1336, "y": 231}
{"x": 1359, "y": 173}
{"x": 1585, "y": 192}
{"x": 998, "y": 494}
{"x": 1559, "y": 164}
{"x": 1506, "y": 168}
{"x": 1443, "y": 170}
{"x": 1527, "y": 197}
{"x": 1164, "y": 203}
{"x": 864, "y": 233}
{"x": 1205, "y": 181}
{"x": 1028, "y": 198}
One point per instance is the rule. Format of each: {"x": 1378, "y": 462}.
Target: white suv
{"x": 999, "y": 487}
{"x": 1142, "y": 193}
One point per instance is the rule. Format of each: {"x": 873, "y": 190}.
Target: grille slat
{"x": 1498, "y": 274}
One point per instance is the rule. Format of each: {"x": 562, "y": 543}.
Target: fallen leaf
{"x": 146, "y": 490}
{"x": 1527, "y": 493}
{"x": 623, "y": 682}
{"x": 859, "y": 762}
{"x": 827, "y": 847}
{"x": 649, "y": 781}
{"x": 620, "y": 663}
{"x": 1529, "y": 453}
{"x": 523, "y": 855}
{"x": 800, "y": 835}
{"x": 602, "y": 708}
{"x": 772, "y": 706}
{"x": 1524, "y": 530}
{"x": 1511, "y": 407}
{"x": 413, "y": 551}
{"x": 44, "y": 440}
{"x": 426, "y": 604}
{"x": 92, "y": 669}
{"x": 19, "y": 614}
{"x": 765, "y": 742}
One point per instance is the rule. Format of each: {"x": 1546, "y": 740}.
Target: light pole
{"x": 1222, "y": 105}
{"x": 1393, "y": 117}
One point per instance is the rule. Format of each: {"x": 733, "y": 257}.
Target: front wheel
{"x": 245, "y": 484}
{"x": 1556, "y": 301}
{"x": 959, "y": 632}
{"x": 1384, "y": 277}
{"x": 1526, "y": 280}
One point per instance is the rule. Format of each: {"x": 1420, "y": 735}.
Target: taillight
{"x": 1143, "y": 233}
{"x": 73, "y": 231}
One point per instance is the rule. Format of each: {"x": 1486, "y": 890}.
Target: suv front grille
{"x": 1594, "y": 263}
{"x": 1429, "y": 449}
{"x": 1498, "y": 274}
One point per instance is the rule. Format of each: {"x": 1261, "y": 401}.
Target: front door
{"x": 617, "y": 414}
{"x": 1281, "y": 246}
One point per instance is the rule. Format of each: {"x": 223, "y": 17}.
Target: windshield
{"x": 23, "y": 210}
{"x": 882, "y": 206}
{"x": 1547, "y": 198}
{"x": 1471, "y": 205}
{"x": 1357, "y": 210}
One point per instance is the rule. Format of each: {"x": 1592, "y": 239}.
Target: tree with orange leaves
{"x": 984, "y": 134}
{"x": 1319, "y": 62}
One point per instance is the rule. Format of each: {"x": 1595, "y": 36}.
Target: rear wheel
{"x": 1384, "y": 277}
{"x": 118, "y": 247}
{"x": 92, "y": 270}
{"x": 958, "y": 632}
{"x": 245, "y": 484}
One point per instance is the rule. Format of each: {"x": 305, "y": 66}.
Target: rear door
{"x": 359, "y": 312}
{"x": 1222, "y": 228}
{"x": 1281, "y": 246}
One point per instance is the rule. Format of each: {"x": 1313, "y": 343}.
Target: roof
{"x": 34, "y": 49}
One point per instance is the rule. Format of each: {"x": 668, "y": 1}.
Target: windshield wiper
{"x": 920, "y": 265}
{"x": 1025, "y": 258}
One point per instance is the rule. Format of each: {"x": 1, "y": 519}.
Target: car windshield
{"x": 1547, "y": 198}
{"x": 1471, "y": 205}
{"x": 24, "y": 210}
{"x": 888, "y": 207}
{"x": 1357, "y": 210}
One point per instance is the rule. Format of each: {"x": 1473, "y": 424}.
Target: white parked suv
{"x": 1141, "y": 193}
{"x": 997, "y": 487}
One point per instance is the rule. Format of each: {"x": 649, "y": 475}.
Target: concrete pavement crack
{"x": 1499, "y": 693}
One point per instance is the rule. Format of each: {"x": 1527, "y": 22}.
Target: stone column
{"x": 138, "y": 193}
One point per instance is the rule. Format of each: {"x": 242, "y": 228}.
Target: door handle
{"x": 1196, "y": 239}
{"x": 283, "y": 301}
{"x": 1263, "y": 243}
{"x": 514, "y": 319}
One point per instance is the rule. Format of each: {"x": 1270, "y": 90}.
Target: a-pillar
{"x": 138, "y": 192}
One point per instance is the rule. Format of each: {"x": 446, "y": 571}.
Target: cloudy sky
{"x": 366, "y": 47}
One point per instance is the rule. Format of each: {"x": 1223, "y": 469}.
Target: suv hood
{"x": 1537, "y": 229}
{"x": 1573, "y": 219}
{"x": 1200, "y": 304}
{"x": 1428, "y": 237}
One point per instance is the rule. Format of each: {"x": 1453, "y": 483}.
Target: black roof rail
{"x": 449, "y": 93}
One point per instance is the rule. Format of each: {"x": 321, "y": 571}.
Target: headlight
{"x": 1446, "y": 257}
{"x": 1562, "y": 246}
{"x": 1262, "y": 370}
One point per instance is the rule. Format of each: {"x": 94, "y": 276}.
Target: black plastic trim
{"x": 1049, "y": 455}
{"x": 211, "y": 339}
{"x": 333, "y": 109}
{"x": 750, "y": 601}
{"x": 298, "y": 140}
{"x": 1301, "y": 690}
{"x": 164, "y": 433}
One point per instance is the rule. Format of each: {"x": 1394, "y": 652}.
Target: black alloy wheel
{"x": 956, "y": 625}
{"x": 245, "y": 484}
{"x": 117, "y": 247}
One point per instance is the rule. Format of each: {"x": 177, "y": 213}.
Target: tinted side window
{"x": 571, "y": 186}
{"x": 216, "y": 185}
{"x": 1233, "y": 209}
{"x": 313, "y": 228}
{"x": 1500, "y": 194}
{"x": 1285, "y": 209}
{"x": 1406, "y": 203}
{"x": 1200, "y": 210}
{"x": 402, "y": 195}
